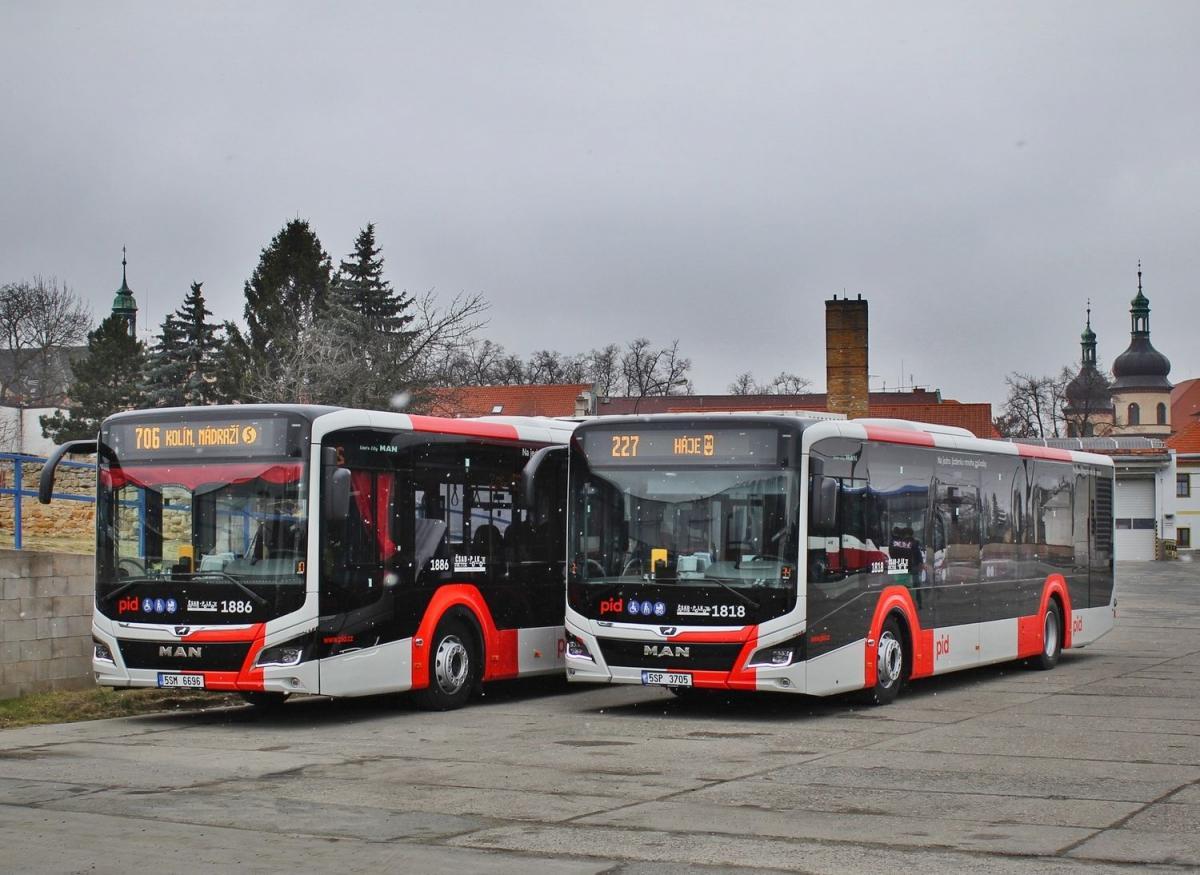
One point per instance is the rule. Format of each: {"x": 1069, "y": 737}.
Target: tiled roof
{"x": 1185, "y": 404}
{"x": 975, "y": 418}
{"x": 730, "y": 403}
{"x": 1186, "y": 441}
{"x": 555, "y": 400}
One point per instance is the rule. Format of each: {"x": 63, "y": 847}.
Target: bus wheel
{"x": 265, "y": 701}
{"x": 453, "y": 668}
{"x": 889, "y": 664}
{"x": 1052, "y": 626}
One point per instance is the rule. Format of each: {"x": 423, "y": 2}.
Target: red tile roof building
{"x": 553, "y": 400}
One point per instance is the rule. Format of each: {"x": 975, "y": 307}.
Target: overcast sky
{"x": 710, "y": 172}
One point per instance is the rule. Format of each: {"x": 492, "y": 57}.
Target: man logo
{"x": 667, "y": 630}
{"x": 181, "y": 631}
{"x": 179, "y": 651}
{"x": 678, "y": 651}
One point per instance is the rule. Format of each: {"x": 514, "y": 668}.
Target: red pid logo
{"x": 942, "y": 646}
{"x": 1077, "y": 624}
{"x": 131, "y": 604}
{"x": 612, "y": 606}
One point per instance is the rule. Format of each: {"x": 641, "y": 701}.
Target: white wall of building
{"x": 21, "y": 431}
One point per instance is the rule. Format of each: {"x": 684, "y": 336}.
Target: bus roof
{"x": 895, "y": 431}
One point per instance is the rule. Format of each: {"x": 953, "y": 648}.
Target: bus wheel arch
{"x": 455, "y": 663}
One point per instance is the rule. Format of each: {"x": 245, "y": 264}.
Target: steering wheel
{"x": 635, "y": 561}
{"x": 130, "y": 567}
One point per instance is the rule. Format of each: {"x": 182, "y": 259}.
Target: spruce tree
{"x": 288, "y": 288}
{"x": 183, "y": 366}
{"x": 287, "y": 292}
{"x": 360, "y": 283}
{"x": 106, "y": 380}
{"x": 166, "y": 367}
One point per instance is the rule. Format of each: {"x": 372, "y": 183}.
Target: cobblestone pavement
{"x": 1094, "y": 766}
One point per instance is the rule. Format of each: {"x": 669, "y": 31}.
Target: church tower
{"x": 1141, "y": 393}
{"x": 123, "y": 304}
{"x": 1088, "y": 407}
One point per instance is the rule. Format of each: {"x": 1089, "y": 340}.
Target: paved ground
{"x": 1092, "y": 767}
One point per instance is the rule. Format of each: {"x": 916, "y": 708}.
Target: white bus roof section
{"x": 534, "y": 429}
{"x": 943, "y": 437}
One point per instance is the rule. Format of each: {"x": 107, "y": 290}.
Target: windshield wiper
{"x": 224, "y": 575}
{"x": 737, "y": 593}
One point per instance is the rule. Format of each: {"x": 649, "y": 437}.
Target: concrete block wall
{"x": 45, "y": 621}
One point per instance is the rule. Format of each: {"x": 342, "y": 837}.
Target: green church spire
{"x": 123, "y": 304}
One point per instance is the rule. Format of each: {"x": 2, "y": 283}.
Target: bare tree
{"x": 787, "y": 383}
{"x": 784, "y": 383}
{"x": 338, "y": 359}
{"x": 650, "y": 371}
{"x": 604, "y": 368}
{"x": 39, "y": 320}
{"x": 743, "y": 384}
{"x": 1034, "y": 406}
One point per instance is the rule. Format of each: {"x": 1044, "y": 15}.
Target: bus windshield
{"x": 691, "y": 526}
{"x": 240, "y": 523}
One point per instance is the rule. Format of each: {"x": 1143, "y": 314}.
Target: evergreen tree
{"x": 289, "y": 285}
{"x": 183, "y": 367}
{"x": 106, "y": 380}
{"x": 166, "y": 367}
{"x": 288, "y": 289}
{"x": 360, "y": 283}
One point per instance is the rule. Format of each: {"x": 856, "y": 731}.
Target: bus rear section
{"x": 861, "y": 557}
{"x": 271, "y": 550}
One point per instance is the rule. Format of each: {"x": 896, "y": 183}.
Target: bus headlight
{"x": 100, "y": 651}
{"x": 280, "y": 654}
{"x": 778, "y": 655}
{"x": 576, "y": 649}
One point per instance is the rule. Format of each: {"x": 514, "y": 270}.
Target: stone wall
{"x": 63, "y": 525}
{"x": 46, "y": 604}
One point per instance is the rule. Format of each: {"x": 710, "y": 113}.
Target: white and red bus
{"x": 770, "y": 552}
{"x": 282, "y": 549}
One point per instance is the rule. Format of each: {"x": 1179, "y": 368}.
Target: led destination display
{"x": 711, "y": 446}
{"x": 242, "y": 437}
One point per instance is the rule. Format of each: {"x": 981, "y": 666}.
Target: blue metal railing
{"x": 19, "y": 492}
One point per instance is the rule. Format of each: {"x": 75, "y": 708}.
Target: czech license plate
{"x": 188, "y": 681}
{"x": 666, "y": 679}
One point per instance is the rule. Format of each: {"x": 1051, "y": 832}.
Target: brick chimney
{"x": 846, "y": 356}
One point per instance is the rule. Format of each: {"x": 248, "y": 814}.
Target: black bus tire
{"x": 454, "y": 668}
{"x": 890, "y": 664}
{"x": 1052, "y": 637}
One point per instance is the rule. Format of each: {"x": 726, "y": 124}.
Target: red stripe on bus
{"x": 463, "y": 427}
{"x": 233, "y": 636}
{"x": 894, "y": 598}
{"x": 745, "y": 679}
{"x": 724, "y": 636}
{"x": 899, "y": 436}
{"x": 1031, "y": 630}
{"x": 1029, "y": 451}
{"x": 499, "y": 653}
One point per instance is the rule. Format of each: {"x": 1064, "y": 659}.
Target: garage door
{"x": 1135, "y": 519}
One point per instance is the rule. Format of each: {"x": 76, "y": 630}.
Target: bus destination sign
{"x": 239, "y": 437}
{"x": 712, "y": 446}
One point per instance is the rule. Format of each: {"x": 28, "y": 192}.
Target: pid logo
{"x": 128, "y": 605}
{"x": 612, "y": 606}
{"x": 942, "y": 646}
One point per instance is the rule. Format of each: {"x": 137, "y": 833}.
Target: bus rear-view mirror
{"x": 336, "y": 494}
{"x": 824, "y": 503}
